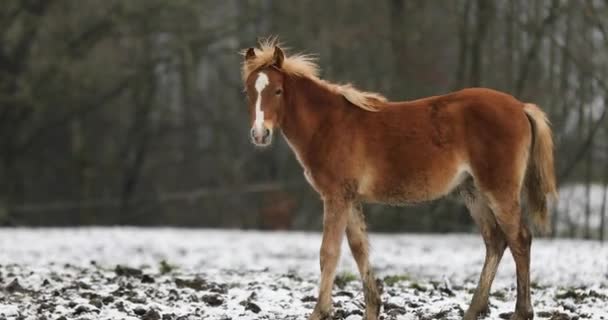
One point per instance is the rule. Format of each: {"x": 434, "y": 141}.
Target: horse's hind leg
{"x": 508, "y": 215}
{"x": 357, "y": 240}
{"x": 495, "y": 248}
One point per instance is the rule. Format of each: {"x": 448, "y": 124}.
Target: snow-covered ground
{"x": 132, "y": 273}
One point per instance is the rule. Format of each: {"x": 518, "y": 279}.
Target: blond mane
{"x": 303, "y": 65}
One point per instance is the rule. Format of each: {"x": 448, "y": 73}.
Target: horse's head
{"x": 265, "y": 97}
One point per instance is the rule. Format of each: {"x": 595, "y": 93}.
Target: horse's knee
{"x": 328, "y": 254}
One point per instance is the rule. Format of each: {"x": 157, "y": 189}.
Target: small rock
{"x": 107, "y": 299}
{"x": 559, "y": 316}
{"x": 168, "y": 316}
{"x": 392, "y": 306}
{"x": 340, "y": 314}
{"x": 96, "y": 302}
{"x": 309, "y": 299}
{"x": 343, "y": 314}
{"x": 396, "y": 312}
{"x": 505, "y": 315}
{"x": 151, "y": 314}
{"x": 119, "y": 291}
{"x": 120, "y": 306}
{"x": 127, "y": 271}
{"x": 441, "y": 314}
{"x": 138, "y": 299}
{"x": 173, "y": 295}
{"x": 83, "y": 285}
{"x": 218, "y": 288}
{"x": 213, "y": 300}
{"x": 252, "y": 307}
{"x": 393, "y": 309}
{"x": 81, "y": 309}
{"x": 569, "y": 306}
{"x": 46, "y": 306}
{"x": 139, "y": 310}
{"x": 147, "y": 279}
{"x": 196, "y": 283}
{"x": 14, "y": 286}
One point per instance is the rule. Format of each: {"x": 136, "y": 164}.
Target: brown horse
{"x": 357, "y": 147}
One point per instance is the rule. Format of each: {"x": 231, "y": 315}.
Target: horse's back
{"x": 421, "y": 149}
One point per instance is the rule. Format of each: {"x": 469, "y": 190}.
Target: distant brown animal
{"x": 357, "y": 147}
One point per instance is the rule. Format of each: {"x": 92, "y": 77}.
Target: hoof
{"x": 371, "y": 314}
{"x": 320, "y": 315}
{"x": 474, "y": 314}
{"x": 526, "y": 315}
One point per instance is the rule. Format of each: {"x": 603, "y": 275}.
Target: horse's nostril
{"x": 252, "y": 133}
{"x": 266, "y": 133}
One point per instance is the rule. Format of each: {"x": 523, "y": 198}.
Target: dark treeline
{"x": 132, "y": 112}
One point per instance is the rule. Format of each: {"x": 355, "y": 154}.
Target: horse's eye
{"x": 278, "y": 92}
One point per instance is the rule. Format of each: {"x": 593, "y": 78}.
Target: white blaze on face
{"x": 260, "y": 83}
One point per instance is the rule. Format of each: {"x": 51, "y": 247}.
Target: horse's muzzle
{"x": 261, "y": 136}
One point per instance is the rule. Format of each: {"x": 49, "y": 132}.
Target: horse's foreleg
{"x": 356, "y": 232}
{"x": 335, "y": 217}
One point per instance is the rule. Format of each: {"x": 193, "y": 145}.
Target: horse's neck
{"x": 310, "y": 107}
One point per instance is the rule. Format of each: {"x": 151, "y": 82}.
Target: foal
{"x": 357, "y": 147}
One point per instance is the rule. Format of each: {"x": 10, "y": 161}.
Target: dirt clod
{"x": 96, "y": 302}
{"x": 252, "y": 307}
{"x": 196, "y": 283}
{"x": 151, "y": 314}
{"x": 213, "y": 300}
{"x": 127, "y": 271}
{"x": 147, "y": 279}
{"x": 14, "y": 286}
{"x": 139, "y": 310}
{"x": 559, "y": 316}
{"x": 81, "y": 309}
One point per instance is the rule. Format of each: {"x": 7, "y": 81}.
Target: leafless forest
{"x": 132, "y": 112}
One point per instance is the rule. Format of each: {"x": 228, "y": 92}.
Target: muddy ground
{"x": 207, "y": 282}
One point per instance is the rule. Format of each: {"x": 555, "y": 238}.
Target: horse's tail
{"x": 540, "y": 176}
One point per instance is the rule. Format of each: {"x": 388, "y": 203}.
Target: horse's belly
{"x": 411, "y": 187}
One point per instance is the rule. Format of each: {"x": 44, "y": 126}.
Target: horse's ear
{"x": 279, "y": 57}
{"x": 250, "y": 54}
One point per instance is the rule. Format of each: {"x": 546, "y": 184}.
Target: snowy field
{"x": 131, "y": 273}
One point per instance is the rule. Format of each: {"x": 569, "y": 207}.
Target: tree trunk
{"x": 398, "y": 44}
{"x": 463, "y": 47}
{"x": 604, "y": 207}
{"x": 485, "y": 12}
